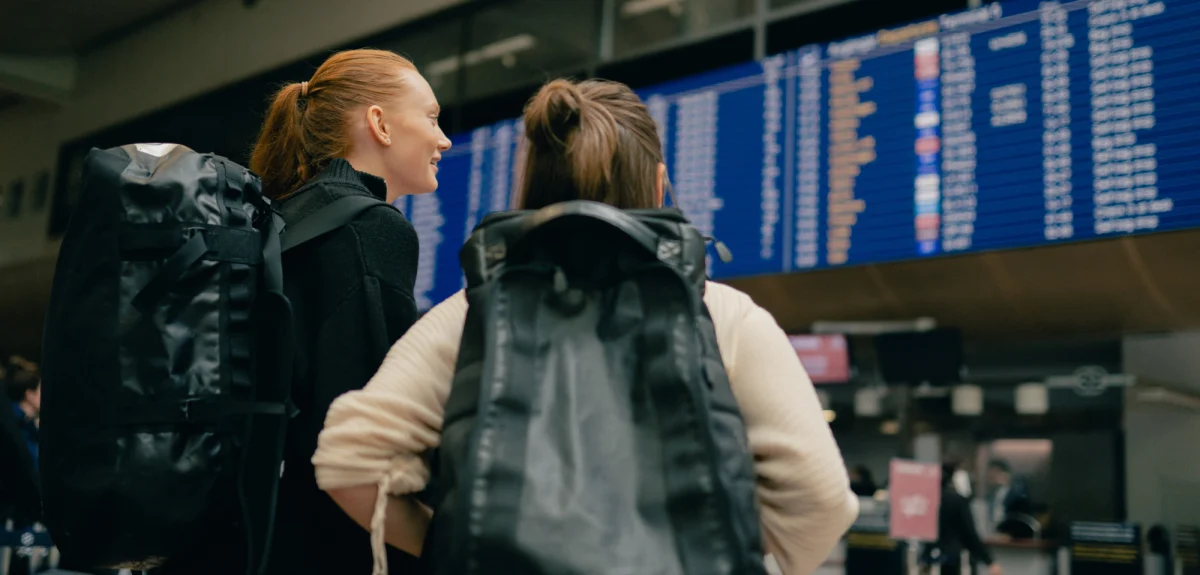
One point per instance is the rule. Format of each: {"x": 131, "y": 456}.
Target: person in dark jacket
{"x": 20, "y": 406}
{"x": 862, "y": 483}
{"x": 956, "y": 532}
{"x": 19, "y": 499}
{"x": 23, "y": 389}
{"x": 1008, "y": 496}
{"x": 366, "y": 124}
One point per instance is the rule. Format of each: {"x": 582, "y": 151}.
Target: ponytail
{"x": 589, "y": 141}
{"x": 280, "y": 156}
{"x": 307, "y": 124}
{"x": 580, "y": 133}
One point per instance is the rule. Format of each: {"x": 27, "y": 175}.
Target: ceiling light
{"x": 890, "y": 427}
{"x": 638, "y": 7}
{"x": 503, "y": 50}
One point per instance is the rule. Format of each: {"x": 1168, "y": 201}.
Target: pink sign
{"x": 915, "y": 490}
{"x": 825, "y": 357}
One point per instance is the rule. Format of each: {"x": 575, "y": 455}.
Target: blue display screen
{"x": 1017, "y": 124}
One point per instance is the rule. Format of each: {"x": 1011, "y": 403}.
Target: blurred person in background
{"x": 23, "y": 388}
{"x": 592, "y": 141}
{"x": 20, "y": 497}
{"x": 365, "y": 124}
{"x": 862, "y": 483}
{"x": 962, "y": 483}
{"x": 956, "y": 532}
{"x": 1008, "y": 494}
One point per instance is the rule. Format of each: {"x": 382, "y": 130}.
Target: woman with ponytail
{"x": 365, "y": 124}
{"x": 596, "y": 141}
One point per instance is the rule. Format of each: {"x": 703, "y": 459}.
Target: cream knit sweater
{"x": 377, "y": 435}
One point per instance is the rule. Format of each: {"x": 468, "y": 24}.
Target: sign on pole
{"x": 915, "y": 490}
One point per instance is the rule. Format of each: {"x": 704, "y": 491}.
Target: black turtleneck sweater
{"x": 352, "y": 295}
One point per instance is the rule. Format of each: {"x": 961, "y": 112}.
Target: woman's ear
{"x": 658, "y": 184}
{"x": 377, "y": 126}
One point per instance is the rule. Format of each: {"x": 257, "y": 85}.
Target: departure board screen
{"x": 1016, "y": 124}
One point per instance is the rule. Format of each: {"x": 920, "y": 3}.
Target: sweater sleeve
{"x": 382, "y": 430}
{"x": 803, "y": 489}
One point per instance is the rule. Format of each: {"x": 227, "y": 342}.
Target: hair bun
{"x": 555, "y": 113}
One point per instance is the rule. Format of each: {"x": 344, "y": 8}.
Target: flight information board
{"x": 1019, "y": 123}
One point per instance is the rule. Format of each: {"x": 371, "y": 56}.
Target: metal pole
{"x": 607, "y": 29}
{"x": 761, "y": 9}
{"x": 464, "y": 46}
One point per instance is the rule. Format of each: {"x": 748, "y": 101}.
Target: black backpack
{"x": 168, "y": 354}
{"x": 591, "y": 428}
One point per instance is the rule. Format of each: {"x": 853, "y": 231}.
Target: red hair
{"x": 307, "y": 123}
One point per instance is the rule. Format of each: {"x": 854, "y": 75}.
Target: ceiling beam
{"x": 43, "y": 78}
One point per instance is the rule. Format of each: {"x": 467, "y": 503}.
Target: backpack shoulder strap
{"x": 331, "y": 217}
{"x": 266, "y": 450}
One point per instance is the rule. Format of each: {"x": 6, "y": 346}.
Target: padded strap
{"x": 198, "y": 410}
{"x": 171, "y": 271}
{"x": 615, "y": 217}
{"x": 258, "y": 484}
{"x": 234, "y": 174}
{"x": 272, "y": 253}
{"x": 225, "y": 244}
{"x": 331, "y": 217}
{"x": 692, "y": 489}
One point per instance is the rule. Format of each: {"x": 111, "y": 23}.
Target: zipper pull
{"x": 560, "y": 281}
{"x": 723, "y": 252}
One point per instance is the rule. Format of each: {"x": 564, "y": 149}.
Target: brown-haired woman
{"x": 365, "y": 124}
{"x": 594, "y": 141}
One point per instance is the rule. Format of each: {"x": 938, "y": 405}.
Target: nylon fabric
{"x": 140, "y": 461}
{"x": 668, "y": 368}
{"x": 581, "y": 506}
{"x": 582, "y": 433}
{"x": 156, "y": 241}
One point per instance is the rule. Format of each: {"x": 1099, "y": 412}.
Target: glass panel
{"x": 435, "y": 52}
{"x": 639, "y": 24}
{"x": 41, "y": 190}
{"x": 786, "y": 3}
{"x": 16, "y": 195}
{"x": 524, "y": 42}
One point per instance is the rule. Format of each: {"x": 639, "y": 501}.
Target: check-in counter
{"x": 1025, "y": 556}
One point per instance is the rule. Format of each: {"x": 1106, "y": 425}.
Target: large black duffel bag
{"x": 167, "y": 360}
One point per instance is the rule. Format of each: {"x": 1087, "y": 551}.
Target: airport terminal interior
{"x": 972, "y": 218}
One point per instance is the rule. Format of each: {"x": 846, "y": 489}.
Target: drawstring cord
{"x": 378, "y": 550}
{"x": 723, "y": 252}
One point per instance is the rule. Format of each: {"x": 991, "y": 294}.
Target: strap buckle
{"x": 185, "y": 407}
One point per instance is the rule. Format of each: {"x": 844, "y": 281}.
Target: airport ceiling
{"x": 60, "y": 27}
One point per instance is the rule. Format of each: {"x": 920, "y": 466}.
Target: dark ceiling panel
{"x": 75, "y": 26}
